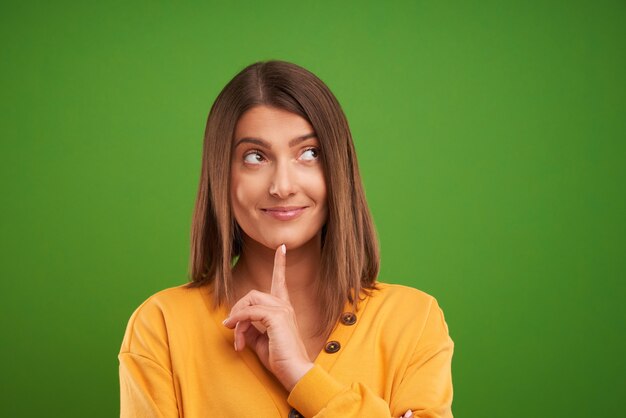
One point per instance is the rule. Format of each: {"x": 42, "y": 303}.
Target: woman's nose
{"x": 282, "y": 182}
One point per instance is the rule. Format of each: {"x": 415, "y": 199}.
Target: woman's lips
{"x": 284, "y": 213}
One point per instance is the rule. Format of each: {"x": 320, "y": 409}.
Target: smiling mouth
{"x": 284, "y": 213}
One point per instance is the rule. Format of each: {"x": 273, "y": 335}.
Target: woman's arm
{"x": 141, "y": 396}
{"x": 146, "y": 384}
{"x": 425, "y": 389}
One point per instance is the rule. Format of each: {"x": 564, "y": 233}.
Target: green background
{"x": 491, "y": 139}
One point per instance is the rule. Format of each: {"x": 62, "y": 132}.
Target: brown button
{"x": 332, "y": 347}
{"x": 348, "y": 318}
{"x": 295, "y": 414}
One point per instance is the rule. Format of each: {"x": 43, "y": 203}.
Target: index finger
{"x": 279, "y": 284}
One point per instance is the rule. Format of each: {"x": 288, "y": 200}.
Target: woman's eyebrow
{"x": 255, "y": 141}
{"x": 262, "y": 143}
{"x": 301, "y": 138}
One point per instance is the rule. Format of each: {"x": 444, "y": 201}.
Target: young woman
{"x": 284, "y": 316}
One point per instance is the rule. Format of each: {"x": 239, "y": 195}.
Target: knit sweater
{"x": 391, "y": 355}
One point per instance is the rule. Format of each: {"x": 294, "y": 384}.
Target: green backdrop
{"x": 491, "y": 139}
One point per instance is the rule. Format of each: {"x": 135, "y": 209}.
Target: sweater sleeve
{"x": 146, "y": 384}
{"x": 425, "y": 388}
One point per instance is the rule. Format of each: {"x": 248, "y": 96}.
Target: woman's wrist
{"x": 296, "y": 375}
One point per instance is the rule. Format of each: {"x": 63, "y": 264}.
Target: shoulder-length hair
{"x": 350, "y": 255}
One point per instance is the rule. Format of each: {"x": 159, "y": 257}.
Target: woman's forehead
{"x": 271, "y": 125}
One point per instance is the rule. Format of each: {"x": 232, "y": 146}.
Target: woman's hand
{"x": 267, "y": 324}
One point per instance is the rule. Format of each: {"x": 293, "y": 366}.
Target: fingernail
{"x": 409, "y": 413}
{"x": 235, "y": 344}
{"x": 283, "y": 249}
{"x": 225, "y": 321}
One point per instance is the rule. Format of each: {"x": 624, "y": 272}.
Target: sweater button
{"x": 332, "y": 347}
{"x": 295, "y": 414}
{"x": 348, "y": 318}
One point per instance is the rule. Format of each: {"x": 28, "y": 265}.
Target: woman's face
{"x": 278, "y": 191}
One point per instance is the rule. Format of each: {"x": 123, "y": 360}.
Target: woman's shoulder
{"x": 165, "y": 313}
{"x": 401, "y": 301}
{"x": 174, "y": 299}
{"x": 386, "y": 293}
{"x": 404, "y": 310}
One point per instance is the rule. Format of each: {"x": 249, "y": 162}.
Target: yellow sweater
{"x": 178, "y": 360}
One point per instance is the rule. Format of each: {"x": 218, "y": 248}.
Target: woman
{"x": 284, "y": 316}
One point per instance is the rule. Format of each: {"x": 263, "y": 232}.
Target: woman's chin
{"x": 291, "y": 242}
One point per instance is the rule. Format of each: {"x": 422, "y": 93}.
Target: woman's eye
{"x": 310, "y": 154}
{"x": 253, "y": 158}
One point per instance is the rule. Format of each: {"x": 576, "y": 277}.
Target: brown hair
{"x": 350, "y": 257}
